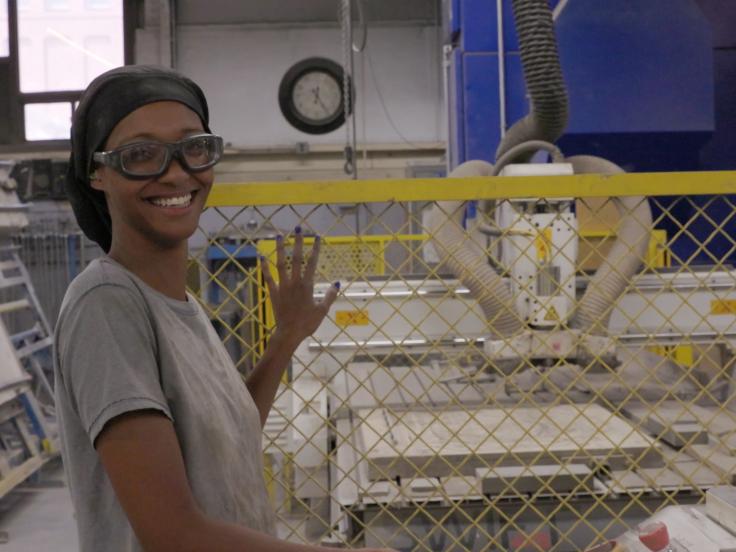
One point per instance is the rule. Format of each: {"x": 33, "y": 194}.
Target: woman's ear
{"x": 95, "y": 181}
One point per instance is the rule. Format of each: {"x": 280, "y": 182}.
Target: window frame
{"x": 7, "y": 16}
{"x": 15, "y": 100}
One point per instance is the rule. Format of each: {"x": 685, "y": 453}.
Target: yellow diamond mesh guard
{"x": 409, "y": 420}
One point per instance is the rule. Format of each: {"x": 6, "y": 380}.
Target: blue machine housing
{"x": 642, "y": 84}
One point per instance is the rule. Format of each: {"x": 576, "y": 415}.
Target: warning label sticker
{"x": 352, "y": 318}
{"x": 552, "y": 315}
{"x": 543, "y": 244}
{"x": 723, "y": 306}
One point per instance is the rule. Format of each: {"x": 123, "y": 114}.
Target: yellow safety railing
{"x": 412, "y": 420}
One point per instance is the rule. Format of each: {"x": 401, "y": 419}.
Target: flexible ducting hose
{"x": 464, "y": 260}
{"x": 543, "y": 75}
{"x": 527, "y": 148}
{"x": 623, "y": 260}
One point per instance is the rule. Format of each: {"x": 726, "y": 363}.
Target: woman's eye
{"x": 141, "y": 153}
{"x": 196, "y": 147}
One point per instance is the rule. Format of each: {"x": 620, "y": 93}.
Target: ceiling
{"x": 213, "y": 12}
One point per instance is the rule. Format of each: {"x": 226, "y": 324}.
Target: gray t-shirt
{"x": 121, "y": 346}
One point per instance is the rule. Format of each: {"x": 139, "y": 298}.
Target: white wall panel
{"x": 240, "y": 68}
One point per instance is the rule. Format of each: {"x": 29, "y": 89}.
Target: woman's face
{"x": 163, "y": 210}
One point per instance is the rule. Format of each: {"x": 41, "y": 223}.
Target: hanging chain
{"x": 348, "y": 63}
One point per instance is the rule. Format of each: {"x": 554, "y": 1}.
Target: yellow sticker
{"x": 552, "y": 315}
{"x": 352, "y": 318}
{"x": 543, "y": 243}
{"x": 723, "y": 306}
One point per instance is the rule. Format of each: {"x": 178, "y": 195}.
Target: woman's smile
{"x": 174, "y": 201}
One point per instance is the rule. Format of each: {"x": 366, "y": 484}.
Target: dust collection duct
{"x": 546, "y": 122}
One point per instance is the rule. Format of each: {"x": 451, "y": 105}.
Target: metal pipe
{"x": 559, "y": 8}
{"x": 501, "y": 68}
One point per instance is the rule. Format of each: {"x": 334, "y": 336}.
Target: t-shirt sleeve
{"x": 107, "y": 357}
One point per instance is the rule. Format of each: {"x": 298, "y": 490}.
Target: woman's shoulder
{"x": 101, "y": 279}
{"x": 101, "y": 272}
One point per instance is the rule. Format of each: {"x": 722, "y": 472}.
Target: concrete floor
{"x": 38, "y": 516}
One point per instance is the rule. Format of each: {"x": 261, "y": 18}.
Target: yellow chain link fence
{"x": 542, "y": 371}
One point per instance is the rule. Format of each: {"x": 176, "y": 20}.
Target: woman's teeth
{"x": 177, "y": 201}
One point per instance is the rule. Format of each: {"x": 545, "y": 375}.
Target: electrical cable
{"x": 362, "y": 48}
{"x": 365, "y": 50}
{"x": 384, "y": 107}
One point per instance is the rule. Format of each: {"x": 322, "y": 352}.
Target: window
{"x": 57, "y": 48}
{"x": 4, "y": 34}
{"x": 98, "y": 4}
{"x": 48, "y": 121}
{"x": 61, "y": 58}
{"x": 61, "y": 73}
{"x": 101, "y": 49}
{"x": 56, "y": 5}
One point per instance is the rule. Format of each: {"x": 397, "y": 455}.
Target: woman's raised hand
{"x": 297, "y": 313}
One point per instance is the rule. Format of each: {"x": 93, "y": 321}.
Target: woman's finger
{"x": 268, "y": 277}
{"x": 281, "y": 258}
{"x": 312, "y": 262}
{"x": 330, "y": 296}
{"x": 296, "y": 254}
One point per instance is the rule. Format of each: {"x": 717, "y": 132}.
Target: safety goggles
{"x": 143, "y": 160}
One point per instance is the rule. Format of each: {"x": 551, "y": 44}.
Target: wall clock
{"x": 311, "y": 96}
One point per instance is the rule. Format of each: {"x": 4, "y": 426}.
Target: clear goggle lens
{"x": 197, "y": 153}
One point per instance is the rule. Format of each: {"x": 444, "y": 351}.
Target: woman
{"x": 161, "y": 439}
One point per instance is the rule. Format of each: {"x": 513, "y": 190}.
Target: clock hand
{"x": 327, "y": 111}
{"x": 317, "y": 99}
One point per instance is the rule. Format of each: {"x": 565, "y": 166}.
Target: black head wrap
{"x": 105, "y": 102}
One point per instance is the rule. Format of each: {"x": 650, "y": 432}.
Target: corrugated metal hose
{"x": 543, "y": 75}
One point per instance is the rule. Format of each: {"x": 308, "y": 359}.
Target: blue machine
{"x": 643, "y": 93}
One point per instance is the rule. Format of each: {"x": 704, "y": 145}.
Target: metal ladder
{"x": 33, "y": 342}
{"x": 28, "y": 437}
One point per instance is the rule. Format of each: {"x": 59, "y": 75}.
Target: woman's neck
{"x": 164, "y": 269}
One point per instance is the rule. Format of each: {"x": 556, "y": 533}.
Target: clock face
{"x": 311, "y": 95}
{"x": 317, "y": 97}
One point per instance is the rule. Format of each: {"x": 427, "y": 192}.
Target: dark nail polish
{"x": 279, "y": 238}
{"x": 337, "y": 285}
{"x": 298, "y": 230}
{"x": 317, "y": 238}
